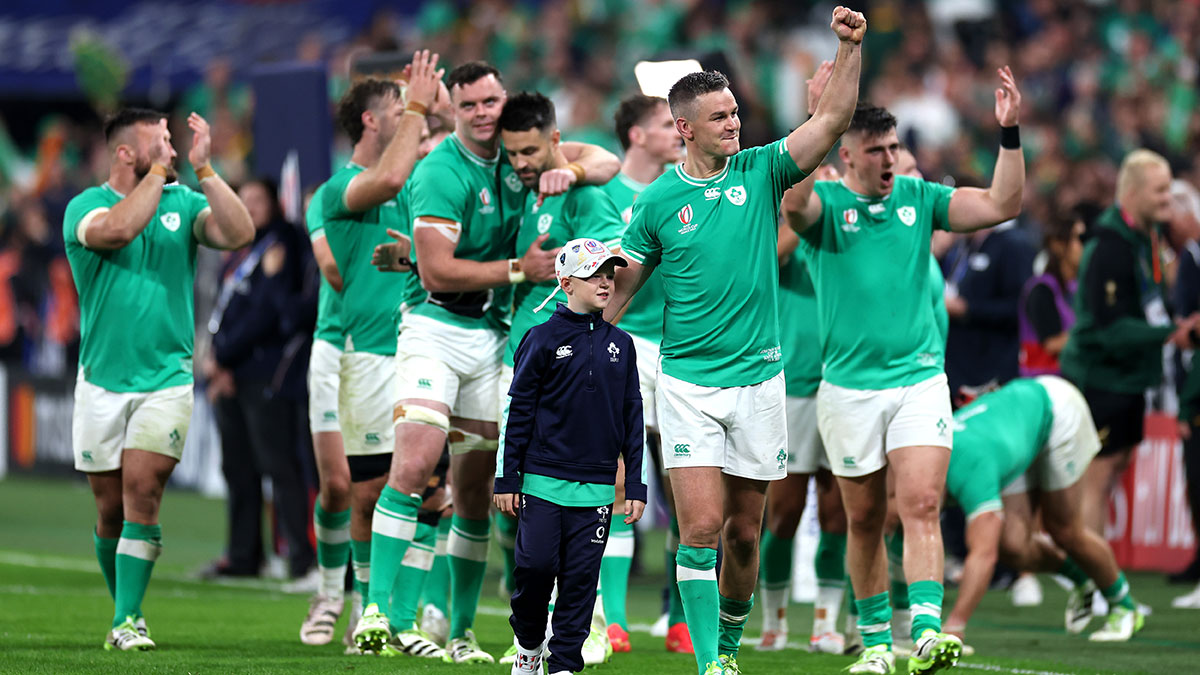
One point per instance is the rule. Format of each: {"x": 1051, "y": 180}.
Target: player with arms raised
{"x": 709, "y": 228}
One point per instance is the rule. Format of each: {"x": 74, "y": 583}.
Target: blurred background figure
{"x": 1046, "y": 316}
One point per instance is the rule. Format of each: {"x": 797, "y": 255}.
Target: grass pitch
{"x": 55, "y": 611}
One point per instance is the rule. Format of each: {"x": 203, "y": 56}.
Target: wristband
{"x": 515, "y": 274}
{"x": 577, "y": 170}
{"x": 159, "y": 170}
{"x": 416, "y": 108}
{"x": 1010, "y": 137}
{"x": 205, "y": 172}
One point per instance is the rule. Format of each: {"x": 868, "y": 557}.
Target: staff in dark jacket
{"x": 574, "y": 405}
{"x": 1114, "y": 352}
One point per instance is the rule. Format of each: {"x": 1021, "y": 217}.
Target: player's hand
{"x": 1185, "y": 431}
{"x": 554, "y": 182}
{"x": 201, "y": 151}
{"x": 848, "y": 25}
{"x": 442, "y": 108}
{"x": 394, "y": 255}
{"x": 507, "y": 503}
{"x": 425, "y": 78}
{"x": 1008, "y": 99}
{"x": 537, "y": 263}
{"x": 633, "y": 511}
{"x": 956, "y": 307}
{"x": 816, "y": 85}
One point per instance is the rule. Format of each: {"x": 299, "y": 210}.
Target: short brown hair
{"x": 358, "y": 99}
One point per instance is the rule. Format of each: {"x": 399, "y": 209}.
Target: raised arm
{"x": 975, "y": 208}
{"x": 121, "y": 224}
{"x": 228, "y": 224}
{"x": 811, "y": 141}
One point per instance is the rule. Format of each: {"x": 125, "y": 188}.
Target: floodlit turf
{"x": 55, "y": 610}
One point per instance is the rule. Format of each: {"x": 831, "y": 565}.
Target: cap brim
{"x": 621, "y": 262}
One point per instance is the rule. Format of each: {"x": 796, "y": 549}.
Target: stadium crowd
{"x": 1098, "y": 84}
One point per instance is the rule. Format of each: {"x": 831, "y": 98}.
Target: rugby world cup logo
{"x": 685, "y": 214}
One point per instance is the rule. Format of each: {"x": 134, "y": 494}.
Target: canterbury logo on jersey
{"x": 563, "y": 352}
{"x": 713, "y": 192}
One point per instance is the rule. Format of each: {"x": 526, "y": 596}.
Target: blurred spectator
{"x": 260, "y": 346}
{"x": 1186, "y": 299}
{"x": 1045, "y": 315}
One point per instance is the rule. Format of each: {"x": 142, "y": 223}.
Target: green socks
{"x": 1071, "y": 570}
{"x": 406, "y": 589}
{"x": 732, "y": 619}
{"x": 393, "y": 526}
{"x": 360, "y": 560}
{"x": 1118, "y": 594}
{"x": 333, "y": 549}
{"x": 875, "y": 620}
{"x": 437, "y": 583}
{"x": 614, "y": 570}
{"x": 775, "y": 575}
{"x": 139, "y": 546}
{"x": 696, "y": 571}
{"x": 466, "y": 550}
{"x": 926, "y": 597}
{"x": 506, "y": 536}
{"x": 106, "y": 555}
{"x": 674, "y": 602}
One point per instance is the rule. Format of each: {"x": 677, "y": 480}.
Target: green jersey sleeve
{"x": 974, "y": 486}
{"x": 312, "y": 217}
{"x": 86, "y": 205}
{"x": 438, "y": 191}
{"x": 639, "y": 242}
{"x": 333, "y": 196}
{"x": 780, "y": 166}
{"x": 197, "y": 210}
{"x": 595, "y": 215}
{"x": 938, "y": 197}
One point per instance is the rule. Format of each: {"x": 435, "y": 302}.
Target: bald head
{"x": 1144, "y": 187}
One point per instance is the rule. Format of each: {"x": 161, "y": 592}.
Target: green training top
{"x": 937, "y": 297}
{"x": 136, "y": 303}
{"x": 798, "y": 331}
{"x": 713, "y": 240}
{"x": 869, "y": 260}
{"x": 582, "y": 211}
{"x": 996, "y": 438}
{"x": 486, "y": 199}
{"x": 329, "y": 302}
{"x": 644, "y": 315}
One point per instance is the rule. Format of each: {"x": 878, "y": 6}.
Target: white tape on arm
{"x": 81, "y": 228}
{"x": 450, "y": 231}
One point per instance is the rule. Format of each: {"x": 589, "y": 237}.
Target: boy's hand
{"x": 633, "y": 511}
{"x": 508, "y": 503}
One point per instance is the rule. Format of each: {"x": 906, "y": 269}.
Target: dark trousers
{"x": 1191, "y": 467}
{"x": 259, "y": 437}
{"x": 564, "y": 544}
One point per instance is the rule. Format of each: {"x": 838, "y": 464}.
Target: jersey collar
{"x": 631, "y": 183}
{"x": 112, "y": 189}
{"x": 701, "y": 182}
{"x": 865, "y": 198}
{"x": 481, "y": 161}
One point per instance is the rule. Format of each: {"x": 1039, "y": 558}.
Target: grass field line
{"x": 70, "y": 564}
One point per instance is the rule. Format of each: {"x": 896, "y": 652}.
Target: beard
{"x": 142, "y": 165}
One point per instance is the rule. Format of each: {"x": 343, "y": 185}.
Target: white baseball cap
{"x": 580, "y": 258}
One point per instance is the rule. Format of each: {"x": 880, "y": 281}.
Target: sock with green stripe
{"x": 875, "y": 620}
{"x": 1071, "y": 570}
{"x": 106, "y": 555}
{"x": 733, "y": 615}
{"x": 139, "y": 546}
{"x": 406, "y": 589}
{"x": 506, "y": 536}
{"x": 696, "y": 570}
{"x": 393, "y": 526}
{"x": 829, "y": 564}
{"x": 360, "y": 561}
{"x": 333, "y": 549}
{"x": 614, "y": 570}
{"x": 675, "y": 613}
{"x": 894, "y": 544}
{"x": 437, "y": 583}
{"x": 926, "y": 607}
{"x": 466, "y": 550}
{"x": 1118, "y": 594}
{"x": 775, "y": 575}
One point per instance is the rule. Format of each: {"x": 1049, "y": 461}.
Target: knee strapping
{"x": 462, "y": 442}
{"x": 419, "y": 414}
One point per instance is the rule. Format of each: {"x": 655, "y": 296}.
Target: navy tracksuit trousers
{"x": 564, "y": 544}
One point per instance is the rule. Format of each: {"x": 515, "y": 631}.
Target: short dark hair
{"x": 692, "y": 86}
{"x": 871, "y": 120}
{"x": 127, "y": 117}
{"x": 525, "y": 111}
{"x": 471, "y": 71}
{"x": 358, "y": 99}
{"x": 633, "y": 111}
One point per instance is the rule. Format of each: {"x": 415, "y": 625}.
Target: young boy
{"x": 573, "y": 406}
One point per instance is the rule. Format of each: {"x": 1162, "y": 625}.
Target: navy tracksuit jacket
{"x": 574, "y": 405}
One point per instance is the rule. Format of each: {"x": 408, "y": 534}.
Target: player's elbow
{"x": 434, "y": 281}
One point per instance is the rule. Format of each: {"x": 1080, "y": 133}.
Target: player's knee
{"x": 463, "y": 441}
{"x": 866, "y": 518}
{"x": 335, "y": 492}
{"x": 920, "y": 506}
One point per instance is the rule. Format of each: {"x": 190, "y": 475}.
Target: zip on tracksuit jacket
{"x": 574, "y": 405}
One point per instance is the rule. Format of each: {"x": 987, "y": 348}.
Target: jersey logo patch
{"x": 614, "y": 352}
{"x": 713, "y": 192}
{"x": 736, "y": 195}
{"x": 485, "y": 201}
{"x": 543, "y": 225}
{"x": 851, "y": 217}
{"x": 685, "y": 214}
{"x": 908, "y": 215}
{"x": 627, "y": 215}
{"x": 513, "y": 183}
{"x": 563, "y": 352}
{"x": 170, "y": 221}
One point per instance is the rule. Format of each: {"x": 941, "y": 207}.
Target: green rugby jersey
{"x": 644, "y": 315}
{"x": 869, "y": 260}
{"x": 996, "y": 439}
{"x": 798, "y": 332}
{"x": 486, "y": 199}
{"x": 937, "y": 298}
{"x": 372, "y": 301}
{"x": 136, "y": 303}
{"x": 713, "y": 240}
{"x": 582, "y": 211}
{"x": 329, "y": 302}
